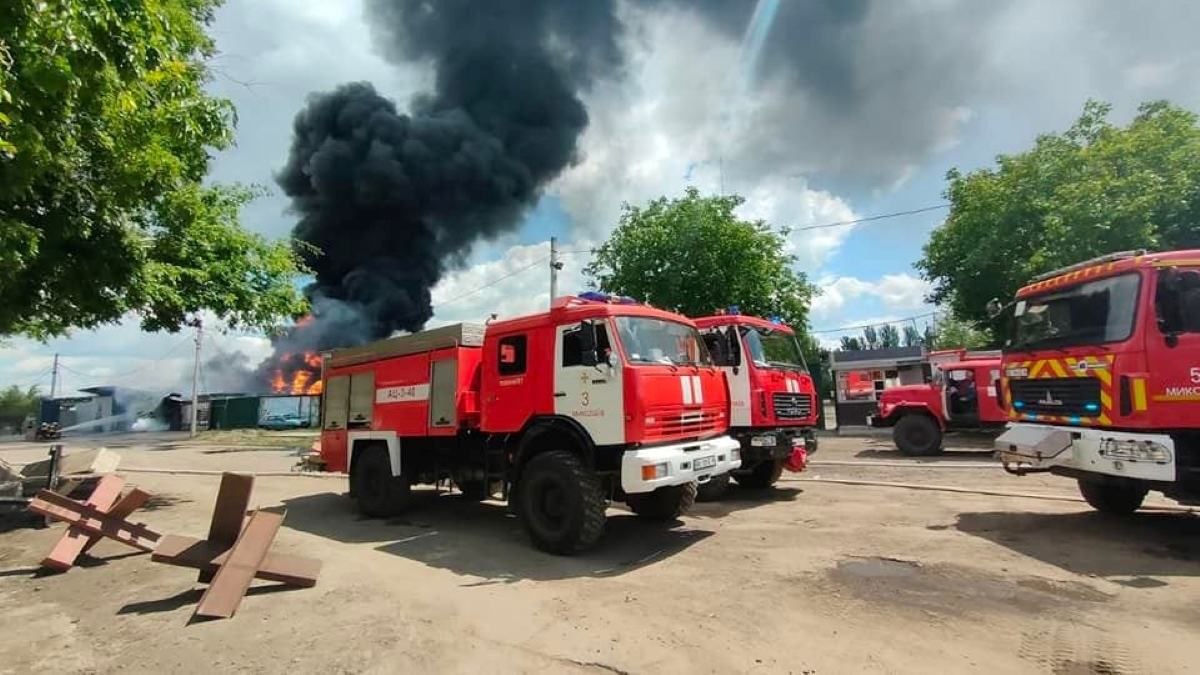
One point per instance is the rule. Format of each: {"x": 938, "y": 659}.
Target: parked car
{"x": 281, "y": 422}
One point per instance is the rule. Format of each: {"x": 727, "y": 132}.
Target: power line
{"x": 121, "y": 376}
{"x": 882, "y": 216}
{"x": 495, "y": 281}
{"x": 876, "y": 325}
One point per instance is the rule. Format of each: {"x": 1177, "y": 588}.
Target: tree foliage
{"x": 107, "y": 133}
{"x": 694, "y": 256}
{"x": 953, "y": 333}
{"x": 16, "y": 403}
{"x": 1095, "y": 189}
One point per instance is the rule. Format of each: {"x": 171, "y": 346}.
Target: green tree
{"x": 1095, "y": 189}
{"x": 889, "y": 336}
{"x": 694, "y": 256}
{"x": 107, "y": 133}
{"x": 870, "y": 338}
{"x": 953, "y": 333}
{"x": 15, "y": 404}
{"x": 912, "y": 337}
{"x": 850, "y": 344}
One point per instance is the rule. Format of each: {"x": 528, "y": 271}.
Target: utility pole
{"x": 555, "y": 266}
{"x": 196, "y": 378}
{"x": 54, "y": 378}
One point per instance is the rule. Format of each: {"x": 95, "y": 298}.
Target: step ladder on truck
{"x": 1101, "y": 378}
{"x": 598, "y": 400}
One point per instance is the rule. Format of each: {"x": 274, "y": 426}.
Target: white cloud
{"x": 517, "y": 283}
{"x": 676, "y": 120}
{"x": 896, "y": 291}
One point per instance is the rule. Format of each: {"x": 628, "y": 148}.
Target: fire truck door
{"x": 1171, "y": 388}
{"x": 587, "y": 386}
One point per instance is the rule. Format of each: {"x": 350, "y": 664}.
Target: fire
{"x": 297, "y": 374}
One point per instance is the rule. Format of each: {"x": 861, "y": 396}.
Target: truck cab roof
{"x": 1107, "y": 266}
{"x": 741, "y": 320}
{"x": 569, "y": 309}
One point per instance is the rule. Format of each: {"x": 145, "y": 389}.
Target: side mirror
{"x": 1171, "y": 340}
{"x": 994, "y": 308}
{"x": 587, "y": 344}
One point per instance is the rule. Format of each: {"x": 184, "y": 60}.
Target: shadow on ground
{"x": 739, "y": 498}
{"x": 191, "y": 597}
{"x": 887, "y": 451}
{"x": 1141, "y": 546}
{"x": 484, "y": 540}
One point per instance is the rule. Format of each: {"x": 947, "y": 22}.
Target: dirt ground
{"x": 812, "y": 576}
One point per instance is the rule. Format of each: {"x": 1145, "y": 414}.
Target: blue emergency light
{"x": 596, "y": 296}
{"x": 1091, "y": 407}
{"x": 733, "y": 309}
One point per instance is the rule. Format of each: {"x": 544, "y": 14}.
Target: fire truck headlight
{"x": 655, "y": 471}
{"x": 1134, "y": 451}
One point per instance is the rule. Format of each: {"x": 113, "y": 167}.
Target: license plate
{"x": 704, "y": 462}
{"x": 762, "y": 441}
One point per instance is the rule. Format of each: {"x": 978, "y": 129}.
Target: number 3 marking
{"x": 585, "y": 401}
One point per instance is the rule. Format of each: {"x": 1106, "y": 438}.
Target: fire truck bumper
{"x": 1029, "y": 448}
{"x": 648, "y": 469}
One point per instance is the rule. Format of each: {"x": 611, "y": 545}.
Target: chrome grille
{"x": 790, "y": 406}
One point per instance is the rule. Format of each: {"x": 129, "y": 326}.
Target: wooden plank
{"x": 232, "y": 580}
{"x": 75, "y": 541}
{"x": 199, "y": 554}
{"x": 132, "y": 501}
{"x": 93, "y": 521}
{"x": 233, "y": 499}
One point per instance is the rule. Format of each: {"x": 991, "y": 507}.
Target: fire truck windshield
{"x": 1093, "y": 313}
{"x": 658, "y": 341}
{"x": 773, "y": 349}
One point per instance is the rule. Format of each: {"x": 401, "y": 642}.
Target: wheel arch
{"x": 359, "y": 441}
{"x": 914, "y": 409}
{"x": 553, "y": 432}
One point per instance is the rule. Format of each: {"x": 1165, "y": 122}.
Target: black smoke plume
{"x": 392, "y": 200}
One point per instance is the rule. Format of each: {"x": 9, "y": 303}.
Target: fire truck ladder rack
{"x": 454, "y": 335}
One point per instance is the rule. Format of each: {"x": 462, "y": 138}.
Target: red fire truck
{"x": 600, "y": 398}
{"x": 961, "y": 397}
{"x": 1101, "y": 378}
{"x": 773, "y": 404}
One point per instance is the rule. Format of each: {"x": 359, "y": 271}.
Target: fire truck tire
{"x": 665, "y": 503}
{"x": 917, "y": 435}
{"x": 1112, "y": 497}
{"x": 762, "y": 476}
{"x": 714, "y": 489}
{"x": 378, "y": 492}
{"x": 561, "y": 503}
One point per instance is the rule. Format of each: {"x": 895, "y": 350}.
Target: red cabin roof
{"x": 741, "y": 320}
{"x": 571, "y": 308}
{"x": 1108, "y": 267}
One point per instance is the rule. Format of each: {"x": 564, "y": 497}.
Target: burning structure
{"x": 390, "y": 200}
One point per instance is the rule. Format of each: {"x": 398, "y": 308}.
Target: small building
{"x": 860, "y": 376}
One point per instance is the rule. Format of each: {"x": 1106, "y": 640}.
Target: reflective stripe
{"x": 697, "y": 389}
{"x": 685, "y": 383}
{"x": 1139, "y": 394}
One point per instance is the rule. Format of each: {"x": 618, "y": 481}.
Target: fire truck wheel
{"x": 665, "y": 503}
{"x": 1112, "y": 497}
{"x": 560, "y": 503}
{"x": 917, "y": 436}
{"x": 378, "y": 492}
{"x": 763, "y": 475}
{"x": 714, "y": 489}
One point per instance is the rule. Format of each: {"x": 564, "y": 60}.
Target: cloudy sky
{"x": 815, "y": 112}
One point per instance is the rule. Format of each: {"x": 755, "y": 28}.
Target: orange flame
{"x": 304, "y": 379}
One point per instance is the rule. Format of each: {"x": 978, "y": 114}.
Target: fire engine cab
{"x": 961, "y": 397}
{"x": 773, "y": 403}
{"x": 1101, "y": 378}
{"x": 598, "y": 399}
